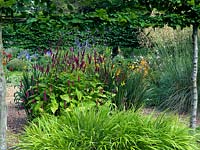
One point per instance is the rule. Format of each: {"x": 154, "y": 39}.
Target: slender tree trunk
{"x": 193, "y": 119}
{"x": 3, "y": 107}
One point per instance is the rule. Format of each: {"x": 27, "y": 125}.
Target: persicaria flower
{"x": 78, "y": 78}
{"x": 71, "y": 49}
{"x": 89, "y": 58}
{"x": 45, "y": 95}
{"x": 68, "y": 82}
{"x": 82, "y": 64}
{"x": 27, "y": 94}
{"x": 9, "y": 56}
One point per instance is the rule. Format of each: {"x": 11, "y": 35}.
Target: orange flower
{"x": 143, "y": 62}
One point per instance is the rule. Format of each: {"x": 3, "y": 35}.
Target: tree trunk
{"x": 194, "y": 103}
{"x": 3, "y": 107}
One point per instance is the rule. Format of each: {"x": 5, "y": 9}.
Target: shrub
{"x": 128, "y": 79}
{"x": 17, "y": 65}
{"x": 132, "y": 92}
{"x": 105, "y": 130}
{"x": 69, "y": 80}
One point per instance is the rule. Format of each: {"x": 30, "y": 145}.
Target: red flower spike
{"x": 89, "y": 58}
{"x": 78, "y": 78}
{"x": 27, "y": 94}
{"x": 73, "y": 67}
{"x": 72, "y": 83}
{"x": 82, "y": 64}
{"x": 45, "y": 96}
{"x": 76, "y": 59}
{"x": 4, "y": 53}
{"x": 68, "y": 82}
{"x": 32, "y": 91}
{"x": 71, "y": 49}
{"x": 9, "y": 55}
{"x": 47, "y": 69}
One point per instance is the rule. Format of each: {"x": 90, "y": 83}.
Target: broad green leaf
{"x": 65, "y": 97}
{"x": 31, "y": 20}
{"x": 79, "y": 94}
{"x": 54, "y": 106}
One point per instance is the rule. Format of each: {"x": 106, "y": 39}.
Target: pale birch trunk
{"x": 3, "y": 107}
{"x": 194, "y": 103}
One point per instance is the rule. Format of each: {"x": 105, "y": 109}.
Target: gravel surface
{"x": 16, "y": 118}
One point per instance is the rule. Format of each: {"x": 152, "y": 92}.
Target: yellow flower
{"x": 131, "y": 67}
{"x": 112, "y": 66}
{"x": 123, "y": 83}
{"x": 97, "y": 66}
{"x": 118, "y": 72}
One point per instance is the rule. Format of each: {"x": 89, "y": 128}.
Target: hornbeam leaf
{"x": 31, "y": 20}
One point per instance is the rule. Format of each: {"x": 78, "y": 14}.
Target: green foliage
{"x": 56, "y": 93}
{"x": 128, "y": 79}
{"x": 175, "y": 84}
{"x": 171, "y": 71}
{"x": 53, "y": 35}
{"x": 43, "y": 28}
{"x": 13, "y": 77}
{"x": 105, "y": 130}
{"x": 69, "y": 80}
{"x": 21, "y": 96}
{"x": 181, "y": 13}
{"x": 17, "y": 65}
{"x": 132, "y": 92}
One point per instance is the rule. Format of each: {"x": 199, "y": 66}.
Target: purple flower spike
{"x": 33, "y": 101}
{"x": 89, "y": 58}
{"x": 32, "y": 91}
{"x": 47, "y": 70}
{"x": 78, "y": 78}
{"x": 73, "y": 67}
{"x": 82, "y": 64}
{"x": 45, "y": 96}
{"x": 71, "y": 49}
{"x": 68, "y": 82}
{"x": 101, "y": 59}
{"x": 76, "y": 60}
{"x": 27, "y": 94}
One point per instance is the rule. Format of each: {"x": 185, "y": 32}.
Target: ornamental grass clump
{"x": 171, "y": 75}
{"x": 104, "y": 130}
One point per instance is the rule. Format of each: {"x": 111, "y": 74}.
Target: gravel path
{"x": 16, "y": 118}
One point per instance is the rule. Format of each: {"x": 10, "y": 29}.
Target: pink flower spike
{"x": 27, "y": 94}
{"x": 68, "y": 82}
{"x": 78, "y": 78}
{"x": 71, "y": 49}
{"x": 45, "y": 96}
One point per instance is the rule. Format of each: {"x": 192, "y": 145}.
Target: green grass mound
{"x": 105, "y": 130}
